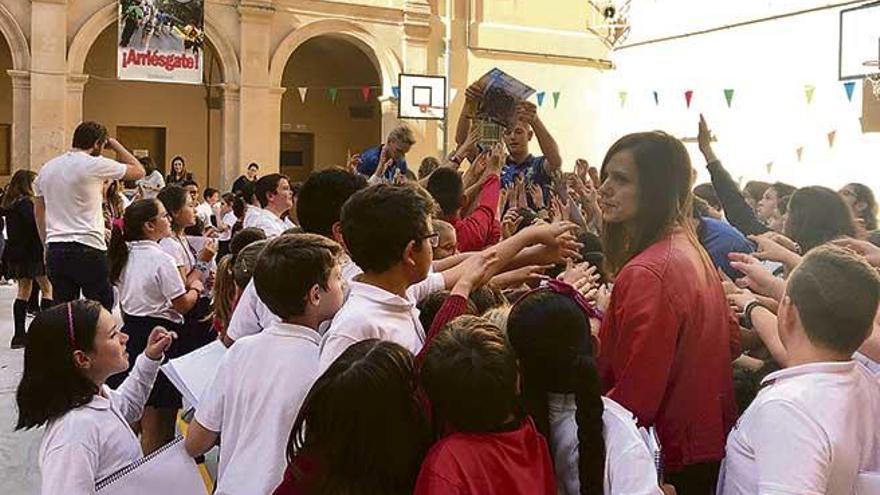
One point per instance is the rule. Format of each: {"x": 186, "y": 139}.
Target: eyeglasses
{"x": 434, "y": 239}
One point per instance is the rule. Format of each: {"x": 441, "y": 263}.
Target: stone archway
{"x": 387, "y": 63}
{"x": 19, "y": 89}
{"x": 224, "y": 52}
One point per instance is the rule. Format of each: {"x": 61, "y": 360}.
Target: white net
{"x": 874, "y": 80}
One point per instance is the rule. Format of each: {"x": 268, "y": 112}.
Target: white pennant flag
{"x": 452, "y": 94}
{"x": 302, "y": 94}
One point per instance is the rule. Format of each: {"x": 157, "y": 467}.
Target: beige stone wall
{"x": 5, "y": 83}
{"x": 179, "y": 108}
{"x": 319, "y": 64}
{"x": 254, "y": 41}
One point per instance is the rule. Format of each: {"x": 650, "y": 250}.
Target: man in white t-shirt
{"x": 813, "y": 428}
{"x": 69, "y": 217}
{"x": 275, "y": 197}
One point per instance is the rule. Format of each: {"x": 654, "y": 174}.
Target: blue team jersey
{"x": 370, "y": 162}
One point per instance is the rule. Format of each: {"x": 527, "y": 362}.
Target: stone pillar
{"x": 229, "y": 157}
{"x": 48, "y": 80}
{"x": 21, "y": 119}
{"x": 259, "y": 121}
{"x": 416, "y": 34}
{"x": 76, "y": 85}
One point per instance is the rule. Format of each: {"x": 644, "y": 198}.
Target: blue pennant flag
{"x": 540, "y": 96}
{"x": 849, "y": 87}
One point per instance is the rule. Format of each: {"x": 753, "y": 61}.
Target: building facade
{"x": 57, "y": 68}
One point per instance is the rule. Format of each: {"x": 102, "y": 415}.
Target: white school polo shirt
{"x": 205, "y": 212}
{"x": 253, "y": 402}
{"x": 150, "y": 185}
{"x": 271, "y": 224}
{"x": 629, "y": 465}
{"x": 149, "y": 282}
{"x": 374, "y": 313}
{"x": 251, "y": 316}
{"x": 808, "y": 432}
{"x": 229, "y": 220}
{"x": 72, "y": 186}
{"x": 93, "y": 441}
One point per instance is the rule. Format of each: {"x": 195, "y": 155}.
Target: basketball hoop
{"x": 874, "y": 78}
{"x": 423, "y": 108}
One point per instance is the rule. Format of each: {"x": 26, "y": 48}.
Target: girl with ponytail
{"x": 595, "y": 444}
{"x": 151, "y": 293}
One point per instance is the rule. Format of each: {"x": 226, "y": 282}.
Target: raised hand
{"x": 581, "y": 276}
{"x": 537, "y": 194}
{"x": 769, "y": 249}
{"x": 510, "y": 223}
{"x": 864, "y": 248}
{"x": 757, "y": 277}
{"x": 526, "y": 111}
{"x": 158, "y": 342}
{"x": 704, "y": 140}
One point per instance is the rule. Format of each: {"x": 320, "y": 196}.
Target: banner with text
{"x": 161, "y": 40}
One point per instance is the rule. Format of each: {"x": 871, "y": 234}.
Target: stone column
{"x": 76, "y": 86}
{"x": 259, "y": 121}
{"x": 21, "y": 119}
{"x": 416, "y": 34}
{"x": 48, "y": 80}
{"x": 229, "y": 157}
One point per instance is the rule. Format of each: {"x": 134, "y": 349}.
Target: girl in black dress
{"x": 23, "y": 256}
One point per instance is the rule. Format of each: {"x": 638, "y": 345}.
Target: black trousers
{"x": 75, "y": 268}
{"x": 696, "y": 479}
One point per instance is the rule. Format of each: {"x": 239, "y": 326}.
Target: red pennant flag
{"x": 831, "y": 136}
{"x": 365, "y": 92}
{"x": 688, "y": 95}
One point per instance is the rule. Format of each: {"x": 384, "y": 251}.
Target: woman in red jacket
{"x": 668, "y": 337}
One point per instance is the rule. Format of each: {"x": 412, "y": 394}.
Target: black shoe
{"x": 18, "y": 341}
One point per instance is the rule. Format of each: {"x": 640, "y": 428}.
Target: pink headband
{"x": 564, "y": 289}
{"x": 70, "y": 335}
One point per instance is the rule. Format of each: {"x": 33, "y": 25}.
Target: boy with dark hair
{"x": 475, "y": 231}
{"x": 275, "y": 197}
{"x": 813, "y": 427}
{"x": 262, "y": 381}
{"x": 388, "y": 231}
{"x": 470, "y": 375}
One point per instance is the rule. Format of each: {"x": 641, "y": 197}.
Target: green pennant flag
{"x": 622, "y": 96}
{"x": 769, "y": 167}
{"x": 728, "y": 95}
{"x": 809, "y": 89}
{"x": 555, "y": 99}
{"x": 333, "y": 93}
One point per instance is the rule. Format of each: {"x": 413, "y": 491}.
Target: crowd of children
{"x": 504, "y": 329}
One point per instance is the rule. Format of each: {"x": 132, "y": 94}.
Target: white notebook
{"x": 192, "y": 373}
{"x": 167, "y": 471}
{"x": 868, "y": 484}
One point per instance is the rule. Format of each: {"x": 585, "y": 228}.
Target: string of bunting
{"x": 366, "y": 92}
{"x": 728, "y": 93}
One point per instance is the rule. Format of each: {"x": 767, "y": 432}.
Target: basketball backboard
{"x": 859, "y": 41}
{"x": 422, "y": 97}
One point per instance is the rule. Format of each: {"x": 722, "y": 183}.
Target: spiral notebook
{"x": 167, "y": 471}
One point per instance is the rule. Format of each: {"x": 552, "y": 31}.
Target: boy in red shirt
{"x": 470, "y": 376}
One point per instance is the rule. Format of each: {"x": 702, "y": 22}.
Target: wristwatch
{"x": 747, "y": 313}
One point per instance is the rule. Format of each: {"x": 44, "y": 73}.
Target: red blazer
{"x": 480, "y": 229}
{"x": 667, "y": 342}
